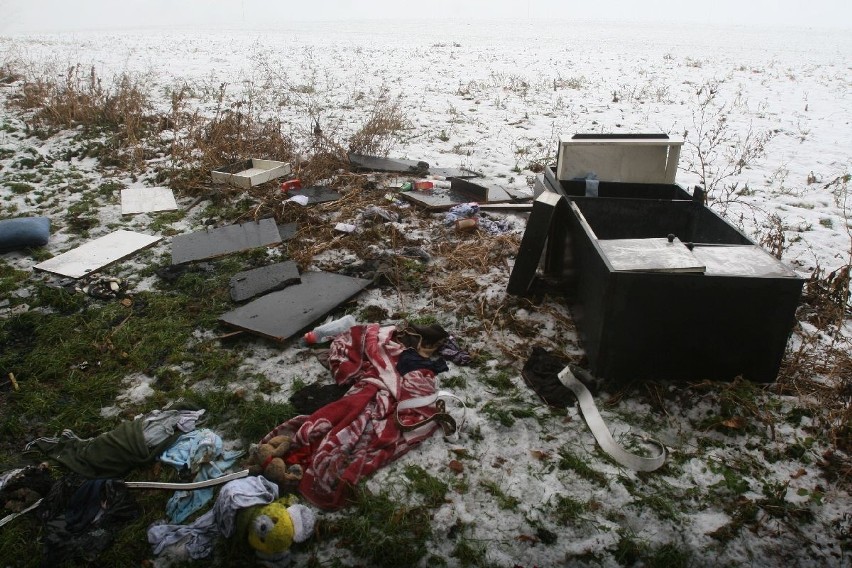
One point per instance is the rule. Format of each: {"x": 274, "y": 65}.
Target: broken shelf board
{"x": 249, "y": 173}
{"x": 280, "y": 315}
{"x": 96, "y": 254}
{"x": 462, "y": 191}
{"x": 544, "y": 210}
{"x": 250, "y": 283}
{"x": 361, "y": 162}
{"x": 650, "y": 255}
{"x": 209, "y": 243}
{"x": 147, "y": 200}
{"x": 315, "y": 194}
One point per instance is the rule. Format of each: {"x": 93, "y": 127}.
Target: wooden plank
{"x": 147, "y": 200}
{"x": 210, "y": 243}
{"x": 97, "y": 254}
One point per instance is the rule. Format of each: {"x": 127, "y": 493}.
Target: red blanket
{"x": 350, "y": 438}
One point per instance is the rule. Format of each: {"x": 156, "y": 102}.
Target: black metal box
{"x": 667, "y": 289}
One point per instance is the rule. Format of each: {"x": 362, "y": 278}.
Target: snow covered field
{"x": 496, "y": 98}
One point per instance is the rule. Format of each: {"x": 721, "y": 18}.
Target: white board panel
{"x": 650, "y": 255}
{"x": 147, "y": 200}
{"x": 96, "y": 254}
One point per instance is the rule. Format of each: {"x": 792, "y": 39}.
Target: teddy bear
{"x": 271, "y": 529}
{"x": 267, "y": 460}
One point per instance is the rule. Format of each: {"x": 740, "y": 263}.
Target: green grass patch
{"x": 383, "y": 531}
{"x": 570, "y": 461}
{"x": 432, "y": 489}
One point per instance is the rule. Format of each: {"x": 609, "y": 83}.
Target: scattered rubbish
{"x": 251, "y": 283}
{"x": 280, "y": 315}
{"x": 369, "y": 358}
{"x": 291, "y": 184}
{"x": 330, "y": 330}
{"x": 115, "y": 453}
{"x": 468, "y": 224}
{"x": 267, "y": 460}
{"x": 345, "y": 227}
{"x": 272, "y": 529}
{"x": 362, "y": 162}
{"x": 374, "y": 213}
{"x": 22, "y": 490}
{"x": 104, "y": 288}
{"x": 200, "y": 452}
{"x": 250, "y": 172}
{"x": 97, "y": 254}
{"x": 210, "y": 243}
{"x": 81, "y": 517}
{"x": 23, "y": 232}
{"x": 147, "y": 200}
{"x": 427, "y": 184}
{"x": 462, "y": 191}
{"x": 558, "y": 384}
{"x": 300, "y": 199}
{"x": 315, "y": 194}
{"x": 196, "y": 540}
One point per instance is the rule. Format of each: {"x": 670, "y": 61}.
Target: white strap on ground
{"x": 601, "y": 432}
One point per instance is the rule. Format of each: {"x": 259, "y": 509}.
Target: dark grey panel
{"x": 251, "y": 283}
{"x": 316, "y": 194}
{"x": 462, "y": 191}
{"x": 210, "y": 243}
{"x": 282, "y": 314}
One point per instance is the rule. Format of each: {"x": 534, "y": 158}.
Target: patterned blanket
{"x": 352, "y": 437}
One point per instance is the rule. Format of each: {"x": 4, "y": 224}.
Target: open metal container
{"x": 667, "y": 289}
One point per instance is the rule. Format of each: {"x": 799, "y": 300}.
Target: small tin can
{"x": 466, "y": 224}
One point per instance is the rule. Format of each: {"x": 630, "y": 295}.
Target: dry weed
{"x": 378, "y": 134}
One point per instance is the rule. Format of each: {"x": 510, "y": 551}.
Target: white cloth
{"x": 197, "y": 538}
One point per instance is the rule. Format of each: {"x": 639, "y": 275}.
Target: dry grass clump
{"x": 80, "y": 97}
{"x": 379, "y": 132}
{"x": 479, "y": 254}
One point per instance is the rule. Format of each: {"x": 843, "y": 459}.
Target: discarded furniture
{"x": 638, "y": 158}
{"x": 24, "y": 232}
{"x": 670, "y": 290}
{"x": 210, "y": 243}
{"x": 283, "y": 314}
{"x": 251, "y": 172}
{"x": 96, "y": 254}
{"x": 147, "y": 200}
{"x": 660, "y": 286}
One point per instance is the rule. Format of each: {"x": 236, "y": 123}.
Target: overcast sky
{"x": 29, "y": 16}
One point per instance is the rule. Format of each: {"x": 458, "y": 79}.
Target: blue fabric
{"x": 200, "y": 451}
{"x": 24, "y": 232}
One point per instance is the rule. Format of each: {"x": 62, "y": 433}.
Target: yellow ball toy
{"x": 273, "y": 528}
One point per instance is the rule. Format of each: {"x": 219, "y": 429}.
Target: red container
{"x": 291, "y": 184}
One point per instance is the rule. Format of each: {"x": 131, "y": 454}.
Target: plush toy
{"x": 267, "y": 460}
{"x": 271, "y": 529}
